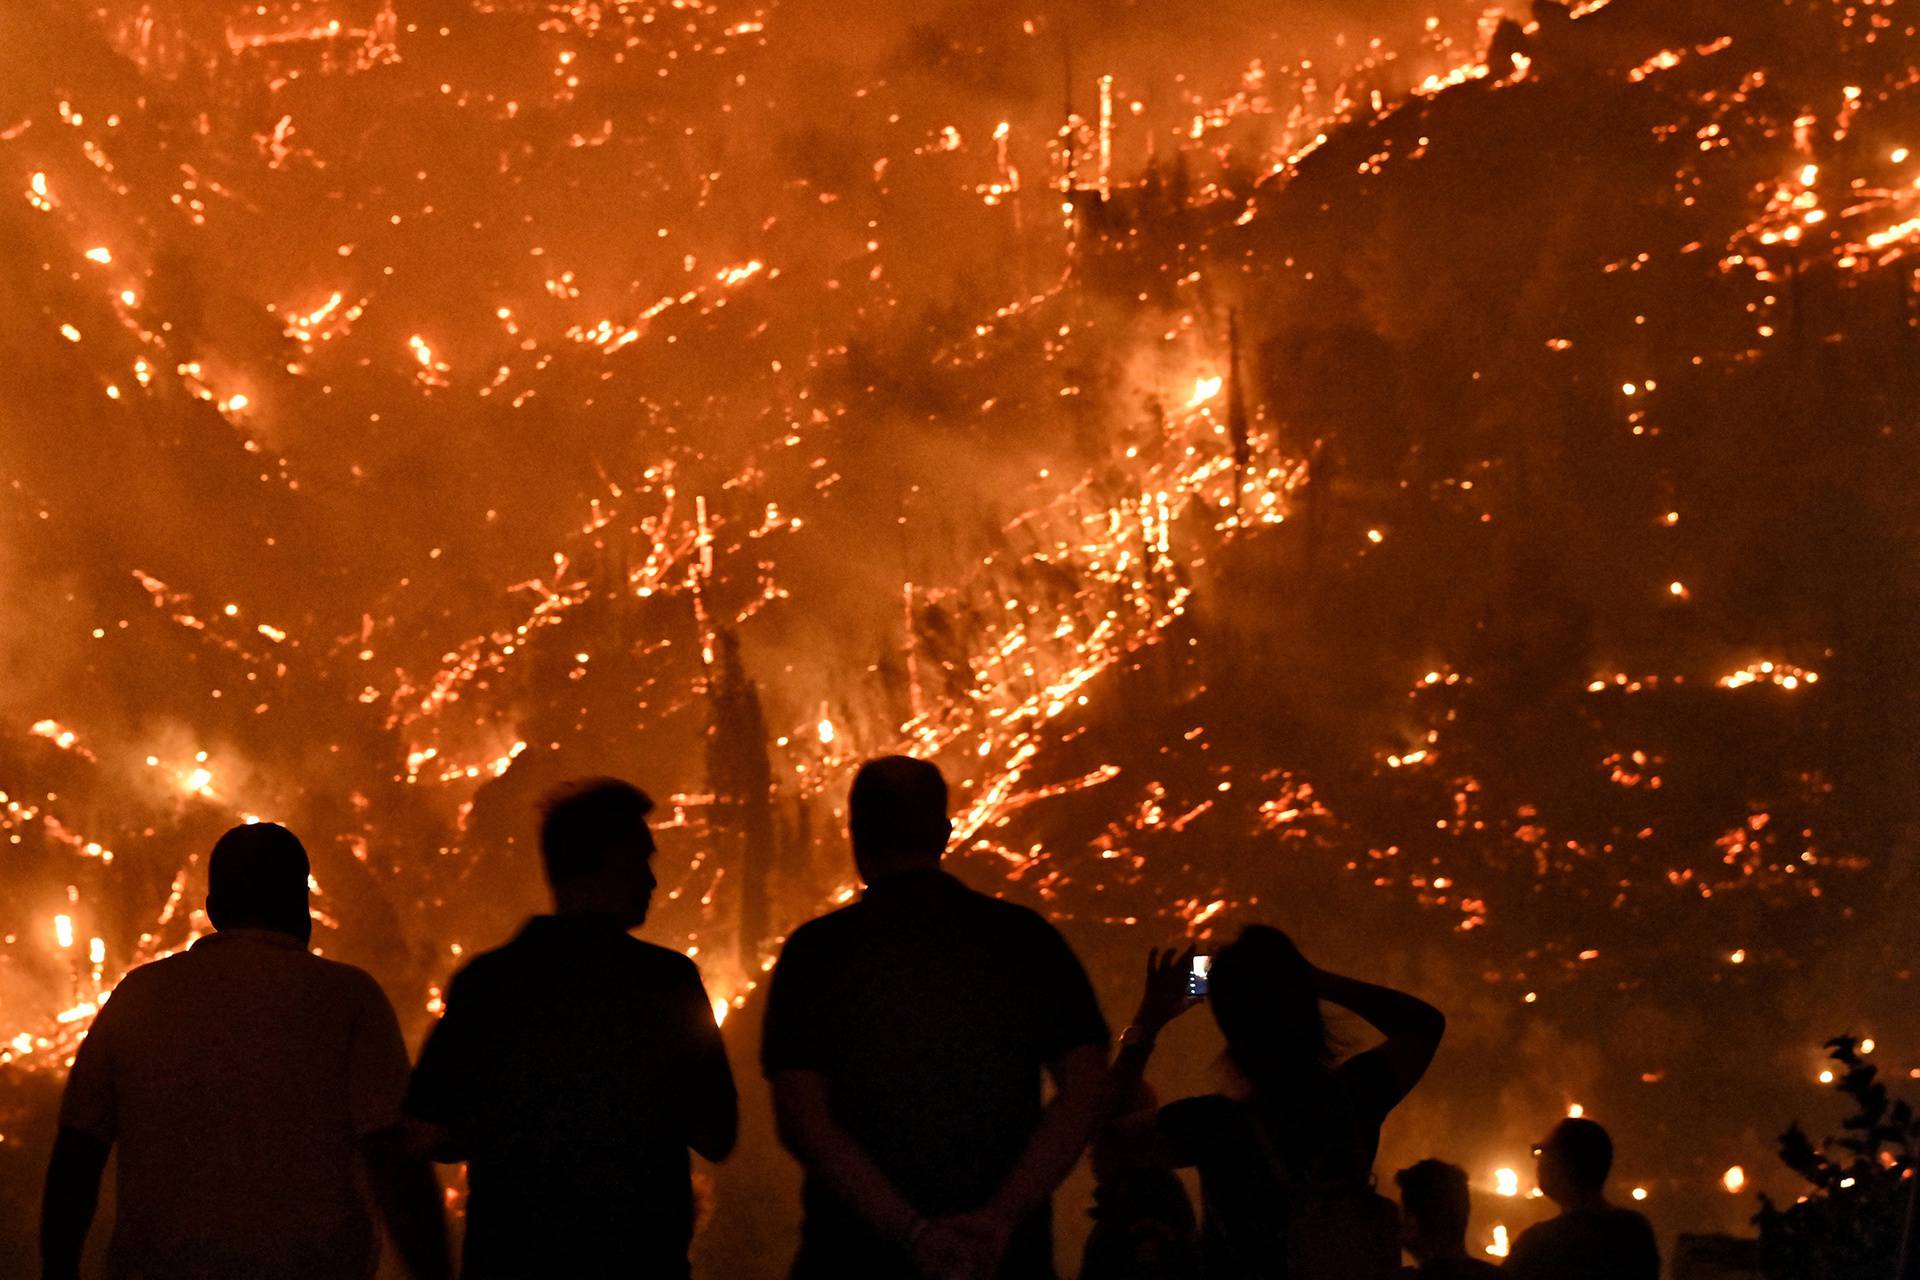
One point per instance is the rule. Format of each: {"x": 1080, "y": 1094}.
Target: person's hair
{"x": 1583, "y": 1150}
{"x": 581, "y": 822}
{"x": 898, "y": 805}
{"x": 257, "y": 875}
{"x": 1264, "y": 998}
{"x": 1434, "y": 1194}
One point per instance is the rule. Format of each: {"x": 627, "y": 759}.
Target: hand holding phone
{"x": 1169, "y": 990}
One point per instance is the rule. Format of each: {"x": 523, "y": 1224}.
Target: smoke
{"x": 449, "y": 392}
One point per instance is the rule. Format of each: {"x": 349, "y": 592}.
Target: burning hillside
{"x": 1436, "y": 482}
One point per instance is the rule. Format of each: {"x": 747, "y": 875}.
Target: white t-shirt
{"x": 233, "y": 1080}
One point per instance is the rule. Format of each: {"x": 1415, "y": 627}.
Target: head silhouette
{"x": 597, "y": 850}
{"x": 1265, "y": 999}
{"x": 897, "y": 816}
{"x": 1434, "y": 1208}
{"x": 257, "y": 879}
{"x": 1574, "y": 1161}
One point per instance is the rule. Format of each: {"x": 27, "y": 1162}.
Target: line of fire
{"x": 1435, "y": 477}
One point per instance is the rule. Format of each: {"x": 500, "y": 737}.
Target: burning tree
{"x": 404, "y": 413}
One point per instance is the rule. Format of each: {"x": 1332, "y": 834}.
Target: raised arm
{"x": 72, "y": 1195}
{"x": 1136, "y": 1138}
{"x": 1413, "y": 1027}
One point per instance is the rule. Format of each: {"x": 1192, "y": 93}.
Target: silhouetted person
{"x": 1286, "y": 1162}
{"x": 242, "y": 1081}
{"x": 905, "y": 1039}
{"x": 1143, "y": 1229}
{"x": 1590, "y": 1239}
{"x": 576, "y": 1065}
{"x": 1144, "y": 1226}
{"x": 1434, "y": 1209}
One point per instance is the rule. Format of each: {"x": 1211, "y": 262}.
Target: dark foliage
{"x": 1848, "y": 1222}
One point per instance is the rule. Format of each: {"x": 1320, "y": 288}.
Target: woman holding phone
{"x": 1286, "y": 1159}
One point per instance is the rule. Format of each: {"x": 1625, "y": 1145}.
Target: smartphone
{"x": 1197, "y": 977}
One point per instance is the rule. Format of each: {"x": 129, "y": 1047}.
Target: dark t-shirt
{"x": 930, "y": 1010}
{"x": 1587, "y": 1244}
{"x": 1318, "y": 1144}
{"x": 570, "y": 1068}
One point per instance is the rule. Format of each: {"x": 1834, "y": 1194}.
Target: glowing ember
{"x": 1227, "y": 491}
{"x": 1778, "y": 673}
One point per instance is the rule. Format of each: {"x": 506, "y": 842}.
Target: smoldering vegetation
{"x": 602, "y": 366}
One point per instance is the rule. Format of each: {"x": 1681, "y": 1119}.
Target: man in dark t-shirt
{"x": 906, "y": 1035}
{"x": 575, "y": 1066}
{"x": 1591, "y": 1239}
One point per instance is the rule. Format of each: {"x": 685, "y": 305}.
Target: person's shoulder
{"x": 1541, "y": 1238}
{"x": 349, "y": 978}
{"x": 154, "y": 972}
{"x": 482, "y": 969}
{"x": 1630, "y": 1222}
{"x": 657, "y": 961}
{"x": 1545, "y": 1229}
{"x": 823, "y": 930}
{"x": 991, "y": 903}
{"x": 165, "y": 978}
{"x": 148, "y": 981}
{"x": 1012, "y": 917}
{"x": 331, "y": 970}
